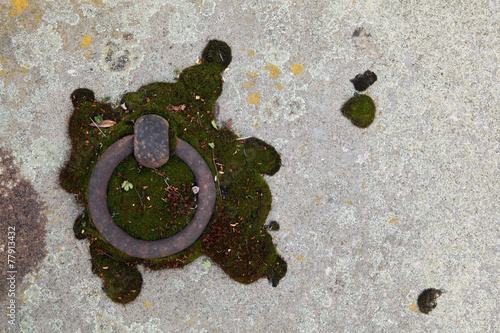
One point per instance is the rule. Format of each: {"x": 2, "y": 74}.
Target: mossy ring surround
{"x": 98, "y": 207}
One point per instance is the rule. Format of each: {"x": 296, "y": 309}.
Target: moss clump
{"x": 218, "y": 53}
{"x": 427, "y": 300}
{"x": 158, "y": 206}
{"x": 161, "y": 202}
{"x": 261, "y": 156}
{"x": 273, "y": 226}
{"x": 363, "y": 81}
{"x": 360, "y": 109}
{"x": 122, "y": 283}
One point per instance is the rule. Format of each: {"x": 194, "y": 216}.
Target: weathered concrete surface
{"x": 369, "y": 218}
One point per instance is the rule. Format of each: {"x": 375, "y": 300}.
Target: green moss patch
{"x": 360, "y": 109}
{"x": 158, "y": 206}
{"x": 160, "y": 202}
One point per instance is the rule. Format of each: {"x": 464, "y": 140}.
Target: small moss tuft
{"x": 82, "y": 95}
{"x": 122, "y": 283}
{"x": 363, "y": 81}
{"x": 217, "y": 52}
{"x": 360, "y": 109}
{"x": 262, "y": 156}
{"x": 427, "y": 300}
{"x": 273, "y": 226}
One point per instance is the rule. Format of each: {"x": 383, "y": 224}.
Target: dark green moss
{"x": 427, "y": 300}
{"x": 363, "y": 81}
{"x": 203, "y": 80}
{"x": 217, "y": 52}
{"x": 262, "y": 156}
{"x": 158, "y": 206}
{"x": 161, "y": 201}
{"x": 121, "y": 282}
{"x": 360, "y": 109}
{"x": 81, "y": 96}
{"x": 273, "y": 226}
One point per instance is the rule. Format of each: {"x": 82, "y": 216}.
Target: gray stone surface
{"x": 369, "y": 218}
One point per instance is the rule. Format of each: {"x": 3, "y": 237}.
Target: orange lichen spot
{"x": 251, "y": 74}
{"x": 86, "y": 41}
{"x": 279, "y": 86}
{"x": 300, "y": 257}
{"x": 19, "y": 7}
{"x": 413, "y": 307}
{"x": 297, "y": 69}
{"x": 251, "y": 53}
{"x": 274, "y": 72}
{"x": 99, "y": 2}
{"x": 254, "y": 98}
{"x": 349, "y": 202}
{"x": 248, "y": 84}
{"x": 393, "y": 221}
{"x": 147, "y": 304}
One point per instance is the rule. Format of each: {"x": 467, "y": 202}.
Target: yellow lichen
{"x": 248, "y": 84}
{"x": 297, "y": 69}
{"x": 99, "y": 2}
{"x": 413, "y": 307}
{"x": 86, "y": 41}
{"x": 254, "y": 98}
{"x": 251, "y": 74}
{"x": 393, "y": 221}
{"x": 274, "y": 72}
{"x": 279, "y": 86}
{"x": 19, "y": 7}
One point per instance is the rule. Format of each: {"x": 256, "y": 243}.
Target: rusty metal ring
{"x": 98, "y": 204}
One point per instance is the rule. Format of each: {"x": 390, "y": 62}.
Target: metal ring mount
{"x": 98, "y": 206}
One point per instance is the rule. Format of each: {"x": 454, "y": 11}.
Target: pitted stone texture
{"x": 151, "y": 141}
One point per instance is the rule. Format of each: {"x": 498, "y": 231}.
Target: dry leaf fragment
{"x": 176, "y": 108}
{"x": 104, "y": 124}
